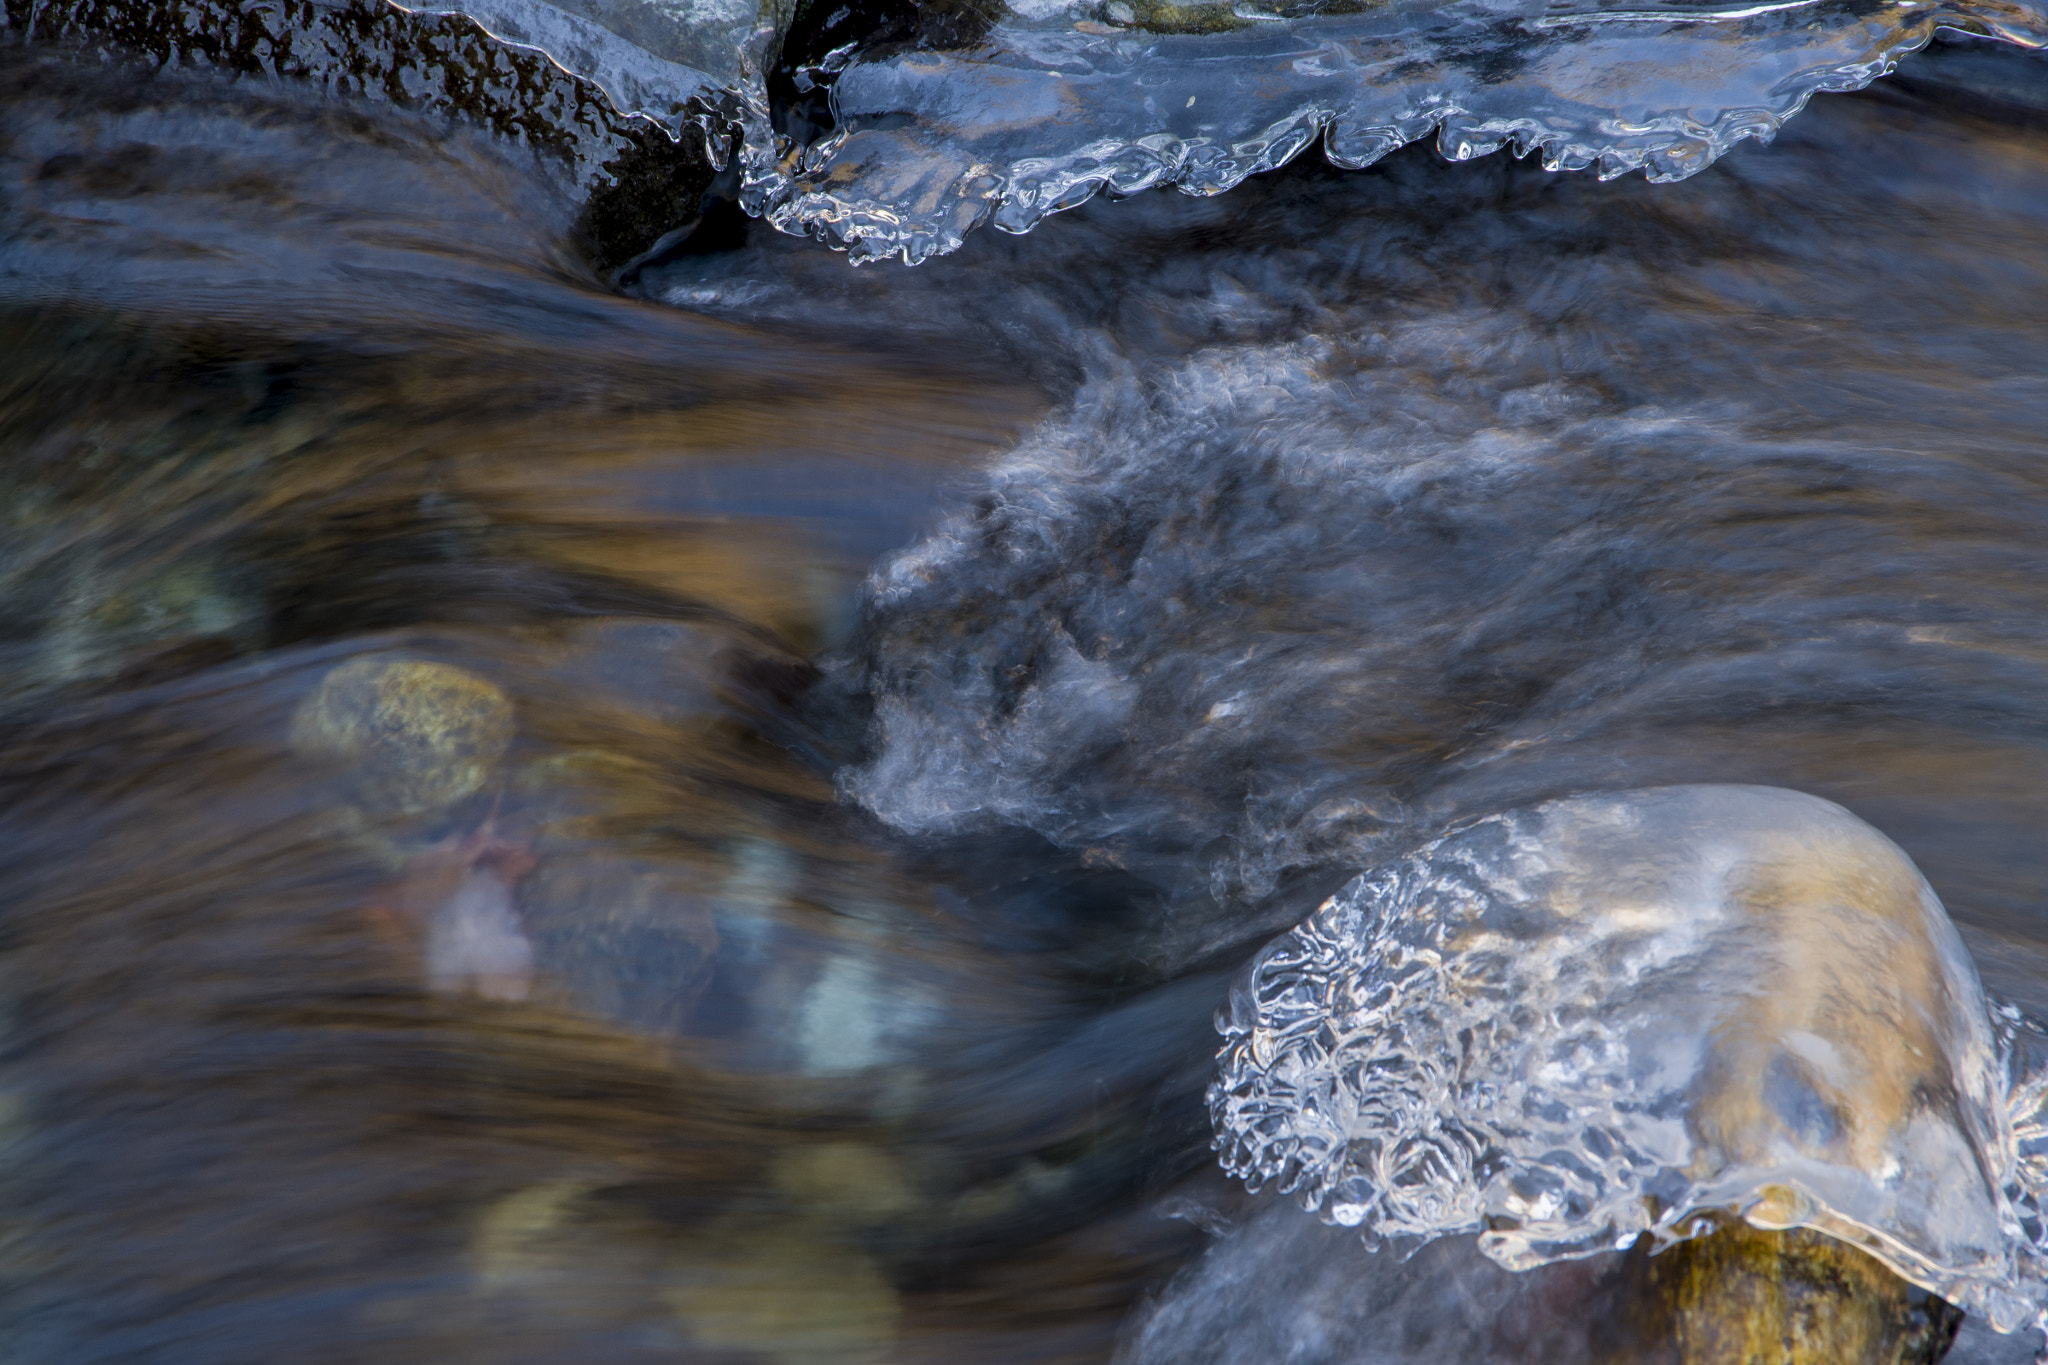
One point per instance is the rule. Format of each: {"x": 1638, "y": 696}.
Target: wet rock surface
{"x": 1746, "y": 1296}
{"x": 636, "y": 179}
{"x": 414, "y": 736}
{"x": 301, "y": 381}
{"x": 1274, "y": 1286}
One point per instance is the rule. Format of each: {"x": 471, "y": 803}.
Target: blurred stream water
{"x": 927, "y": 689}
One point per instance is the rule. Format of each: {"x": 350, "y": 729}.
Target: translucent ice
{"x": 1051, "y": 105}
{"x": 674, "y": 54}
{"x": 947, "y": 116}
{"x": 1563, "y": 1026}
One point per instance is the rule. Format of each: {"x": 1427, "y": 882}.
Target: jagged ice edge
{"x": 1668, "y": 148}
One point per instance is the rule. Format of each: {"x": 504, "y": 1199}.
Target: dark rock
{"x": 639, "y": 178}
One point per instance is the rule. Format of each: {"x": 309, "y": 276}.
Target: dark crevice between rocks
{"x": 655, "y": 200}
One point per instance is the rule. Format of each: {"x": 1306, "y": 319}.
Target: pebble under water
{"x": 706, "y": 813}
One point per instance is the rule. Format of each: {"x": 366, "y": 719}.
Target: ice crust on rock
{"x": 691, "y": 67}
{"x": 1052, "y": 105}
{"x": 1564, "y": 1026}
{"x": 1047, "y": 112}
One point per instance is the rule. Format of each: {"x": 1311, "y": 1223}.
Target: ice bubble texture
{"x": 1562, "y": 1027}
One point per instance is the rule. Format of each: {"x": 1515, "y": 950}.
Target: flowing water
{"x": 909, "y": 698}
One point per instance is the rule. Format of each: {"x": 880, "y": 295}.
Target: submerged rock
{"x": 792, "y": 1294}
{"x": 476, "y": 941}
{"x": 1565, "y": 1026}
{"x": 415, "y": 736}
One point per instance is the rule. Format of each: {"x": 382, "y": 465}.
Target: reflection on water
{"x": 543, "y": 824}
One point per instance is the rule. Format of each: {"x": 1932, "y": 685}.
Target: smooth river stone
{"x": 415, "y": 736}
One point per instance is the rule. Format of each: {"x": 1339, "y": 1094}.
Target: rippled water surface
{"x": 904, "y": 700}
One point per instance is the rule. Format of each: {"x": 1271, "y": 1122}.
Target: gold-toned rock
{"x": 416, "y": 736}
{"x": 793, "y": 1294}
{"x": 1745, "y": 1296}
{"x": 849, "y": 1184}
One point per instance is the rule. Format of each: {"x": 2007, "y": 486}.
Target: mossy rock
{"x": 1745, "y": 1296}
{"x": 415, "y": 736}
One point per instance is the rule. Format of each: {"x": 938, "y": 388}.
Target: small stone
{"x": 847, "y": 1183}
{"x": 1743, "y": 1294}
{"x": 476, "y": 942}
{"x": 516, "y": 1235}
{"x": 416, "y": 736}
{"x": 792, "y": 1295}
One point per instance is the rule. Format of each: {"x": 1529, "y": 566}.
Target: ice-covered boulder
{"x": 1564, "y": 1026}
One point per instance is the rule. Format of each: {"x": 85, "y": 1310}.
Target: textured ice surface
{"x": 695, "y": 68}
{"x": 649, "y": 59}
{"x": 1054, "y": 103}
{"x": 1563, "y": 1026}
{"x": 1047, "y": 113}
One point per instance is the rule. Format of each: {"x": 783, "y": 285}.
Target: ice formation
{"x": 1565, "y": 1026}
{"x": 1032, "y": 108}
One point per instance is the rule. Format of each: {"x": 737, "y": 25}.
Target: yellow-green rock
{"x": 415, "y": 736}
{"x": 1744, "y": 1296}
{"x": 791, "y": 1293}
